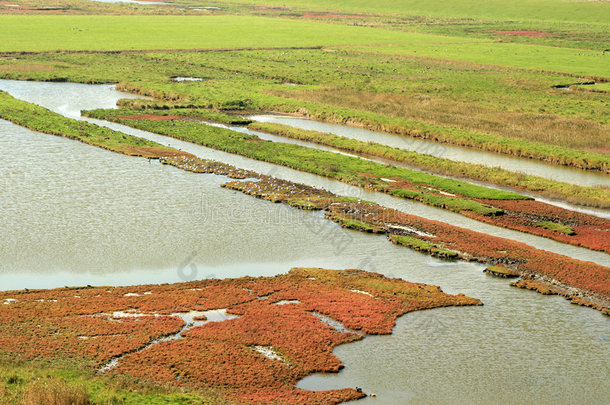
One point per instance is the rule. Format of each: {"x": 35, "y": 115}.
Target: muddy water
{"x": 75, "y": 214}
{"x": 69, "y": 98}
{"x": 567, "y": 175}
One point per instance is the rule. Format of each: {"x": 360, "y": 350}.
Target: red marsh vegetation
{"x": 257, "y": 356}
{"x": 591, "y": 280}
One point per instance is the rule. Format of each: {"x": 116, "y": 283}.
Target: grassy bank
{"x": 423, "y": 246}
{"x": 40, "y": 119}
{"x": 51, "y": 382}
{"x": 545, "y": 152}
{"x": 328, "y": 164}
{"x": 193, "y": 114}
{"x": 579, "y": 195}
{"x": 503, "y": 208}
{"x": 507, "y": 111}
{"x": 520, "y": 10}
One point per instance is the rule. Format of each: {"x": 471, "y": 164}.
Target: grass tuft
{"x": 555, "y": 227}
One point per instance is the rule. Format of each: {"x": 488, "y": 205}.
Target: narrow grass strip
{"x": 454, "y": 136}
{"x": 345, "y": 168}
{"x": 598, "y": 197}
{"x": 40, "y": 119}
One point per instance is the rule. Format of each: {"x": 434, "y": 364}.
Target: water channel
{"x": 73, "y": 214}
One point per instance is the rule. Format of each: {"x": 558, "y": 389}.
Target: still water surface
{"x": 603, "y": 213}
{"x": 573, "y": 176}
{"x": 76, "y": 214}
{"x": 69, "y": 99}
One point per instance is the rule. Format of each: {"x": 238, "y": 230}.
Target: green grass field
{"x": 103, "y": 33}
{"x": 45, "y": 33}
{"x": 579, "y": 62}
{"x": 544, "y": 10}
{"x": 484, "y": 107}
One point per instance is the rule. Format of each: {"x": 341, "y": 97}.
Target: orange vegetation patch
{"x": 589, "y": 278}
{"x": 590, "y": 231}
{"x": 524, "y": 33}
{"x": 151, "y": 117}
{"x": 535, "y": 285}
{"x": 257, "y": 356}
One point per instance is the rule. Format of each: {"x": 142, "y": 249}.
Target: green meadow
{"x": 544, "y": 10}
{"x": 131, "y": 32}
{"x": 579, "y": 62}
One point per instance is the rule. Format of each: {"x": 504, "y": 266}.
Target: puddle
{"x": 338, "y": 326}
{"x": 191, "y": 320}
{"x": 287, "y": 302}
{"x": 187, "y": 79}
{"x": 269, "y": 352}
{"x": 363, "y": 292}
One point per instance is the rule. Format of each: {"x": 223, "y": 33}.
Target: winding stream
{"x": 73, "y": 214}
{"x": 192, "y": 319}
{"x": 275, "y": 138}
{"x": 574, "y": 176}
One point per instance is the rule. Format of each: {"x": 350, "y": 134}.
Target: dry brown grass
{"x": 53, "y": 391}
{"x": 27, "y": 68}
{"x": 546, "y": 128}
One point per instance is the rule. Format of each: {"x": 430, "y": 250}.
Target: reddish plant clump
{"x": 589, "y": 278}
{"x": 590, "y": 231}
{"x": 127, "y": 324}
